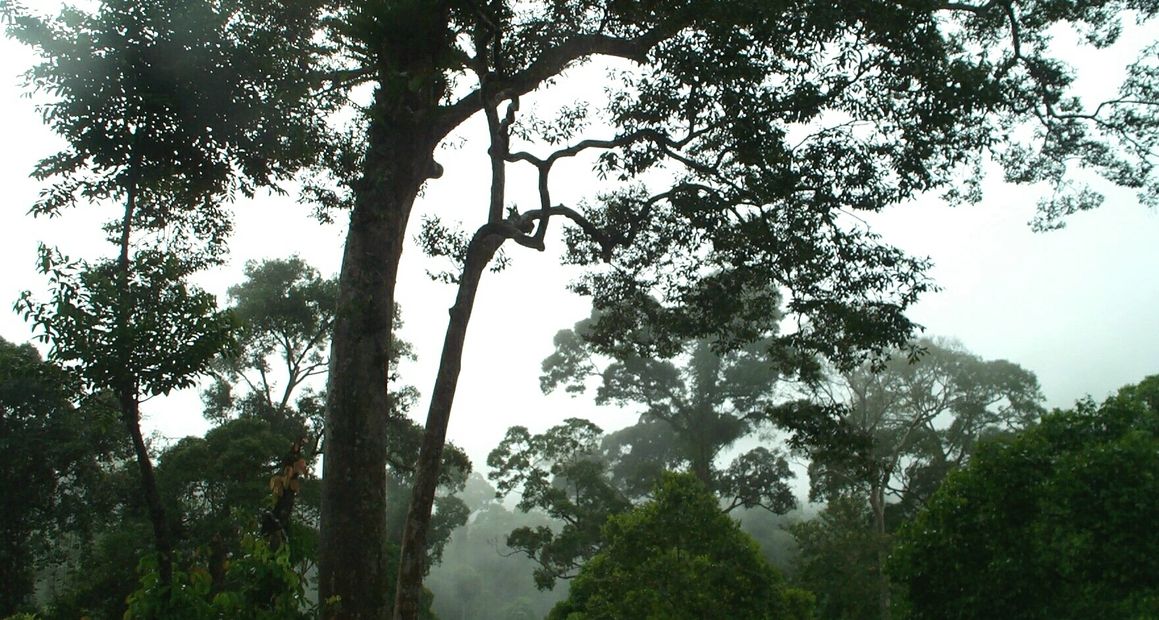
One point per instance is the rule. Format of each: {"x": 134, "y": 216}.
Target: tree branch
{"x": 551, "y": 63}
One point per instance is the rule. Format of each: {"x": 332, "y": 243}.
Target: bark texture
{"x": 353, "y": 566}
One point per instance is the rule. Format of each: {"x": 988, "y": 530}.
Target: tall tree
{"x": 285, "y": 313}
{"x": 691, "y": 409}
{"x": 156, "y": 102}
{"x": 921, "y": 418}
{"x": 771, "y": 120}
{"x": 1050, "y": 523}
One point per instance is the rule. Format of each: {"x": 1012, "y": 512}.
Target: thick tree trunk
{"x": 352, "y": 561}
{"x": 412, "y": 563}
{"x": 162, "y": 543}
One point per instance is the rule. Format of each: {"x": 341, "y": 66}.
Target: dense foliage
{"x": 879, "y": 441}
{"x": 1054, "y": 522}
{"x": 679, "y": 556}
{"x": 53, "y": 446}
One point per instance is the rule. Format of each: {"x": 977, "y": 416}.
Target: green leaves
{"x": 260, "y": 584}
{"x": 156, "y": 332}
{"x": 677, "y": 556}
{"x": 190, "y": 100}
{"x": 1045, "y": 524}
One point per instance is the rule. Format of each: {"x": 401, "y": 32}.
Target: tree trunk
{"x": 131, "y": 416}
{"x": 877, "y": 502}
{"x": 412, "y": 563}
{"x": 126, "y": 385}
{"x": 352, "y": 560}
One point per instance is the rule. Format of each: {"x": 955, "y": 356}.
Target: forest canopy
{"x": 730, "y": 155}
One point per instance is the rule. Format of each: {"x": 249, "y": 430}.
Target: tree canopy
{"x": 1049, "y": 523}
{"x": 885, "y": 437}
{"x": 679, "y": 556}
{"x": 53, "y": 441}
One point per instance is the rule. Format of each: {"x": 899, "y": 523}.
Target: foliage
{"x": 691, "y": 410}
{"x": 103, "y": 575}
{"x": 922, "y": 416}
{"x": 904, "y": 425}
{"x": 129, "y": 86}
{"x": 837, "y": 559}
{"x": 260, "y": 583}
{"x": 285, "y": 311}
{"x": 679, "y": 556}
{"x": 742, "y": 135}
{"x": 187, "y": 101}
{"x": 54, "y": 444}
{"x": 175, "y": 329}
{"x": 1049, "y": 523}
{"x": 563, "y": 473}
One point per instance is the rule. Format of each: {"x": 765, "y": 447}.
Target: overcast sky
{"x": 1077, "y": 306}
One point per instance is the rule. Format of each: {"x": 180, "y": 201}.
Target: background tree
{"x": 691, "y": 409}
{"x": 563, "y": 473}
{"x": 285, "y": 311}
{"x": 55, "y": 444}
{"x": 1048, "y": 523}
{"x": 921, "y": 417}
{"x": 478, "y": 577}
{"x": 679, "y": 556}
{"x": 837, "y": 559}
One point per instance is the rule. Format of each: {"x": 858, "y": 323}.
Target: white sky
{"x": 1076, "y": 306}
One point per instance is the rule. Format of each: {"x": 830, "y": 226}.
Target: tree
{"x": 53, "y": 443}
{"x": 285, "y": 311}
{"x": 921, "y": 418}
{"x": 1048, "y": 523}
{"x": 133, "y": 99}
{"x": 691, "y": 409}
{"x": 679, "y": 556}
{"x": 892, "y": 100}
{"x": 837, "y": 559}
{"x": 564, "y": 473}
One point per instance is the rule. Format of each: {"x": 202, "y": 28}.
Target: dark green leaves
{"x": 188, "y": 100}
{"x": 678, "y": 556}
{"x": 1046, "y": 524}
{"x": 168, "y": 334}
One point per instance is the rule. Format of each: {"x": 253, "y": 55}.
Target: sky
{"x": 1077, "y": 306}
